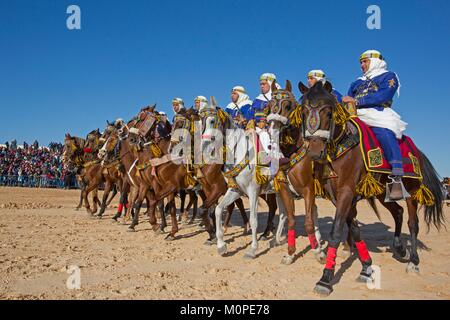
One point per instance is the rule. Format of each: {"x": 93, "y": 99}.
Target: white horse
{"x": 240, "y": 143}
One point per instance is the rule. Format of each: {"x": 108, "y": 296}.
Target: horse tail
{"x": 433, "y": 209}
{"x": 374, "y": 207}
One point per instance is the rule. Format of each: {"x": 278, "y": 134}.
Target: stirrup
{"x": 388, "y": 190}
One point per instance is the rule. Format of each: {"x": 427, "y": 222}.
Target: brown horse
{"x": 285, "y": 119}
{"x": 160, "y": 181}
{"x": 74, "y": 152}
{"x": 325, "y": 123}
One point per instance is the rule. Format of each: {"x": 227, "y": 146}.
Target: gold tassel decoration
{"x": 232, "y": 183}
{"x": 156, "y": 150}
{"x": 260, "y": 178}
{"x": 424, "y": 196}
{"x": 368, "y": 187}
{"x": 222, "y": 115}
{"x": 280, "y": 177}
{"x": 250, "y": 125}
{"x": 189, "y": 180}
{"x": 318, "y": 189}
{"x": 288, "y": 140}
{"x": 295, "y": 118}
{"x": 340, "y": 115}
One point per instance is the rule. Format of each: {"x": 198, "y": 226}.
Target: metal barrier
{"x": 36, "y": 182}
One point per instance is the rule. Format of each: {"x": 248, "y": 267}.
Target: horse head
{"x": 214, "y": 121}
{"x": 318, "y": 106}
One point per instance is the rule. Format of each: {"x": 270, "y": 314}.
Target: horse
{"x": 74, "y": 153}
{"x": 325, "y": 123}
{"x": 162, "y": 180}
{"x": 285, "y": 120}
{"x": 183, "y": 128}
{"x": 242, "y": 171}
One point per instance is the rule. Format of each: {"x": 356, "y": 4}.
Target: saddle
{"x": 357, "y": 132}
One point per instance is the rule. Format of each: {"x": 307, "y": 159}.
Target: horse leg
{"x": 279, "y": 238}
{"x": 228, "y": 199}
{"x": 114, "y": 193}
{"x": 226, "y": 224}
{"x": 184, "y": 216}
{"x": 137, "y": 206}
{"x": 311, "y": 231}
{"x": 272, "y": 204}
{"x": 253, "y": 200}
{"x": 286, "y": 203}
{"x": 173, "y": 216}
{"x": 413, "y": 224}
{"x": 95, "y": 200}
{"x": 397, "y": 213}
{"x": 122, "y": 202}
{"x": 182, "y": 200}
{"x": 134, "y": 193}
{"x": 83, "y": 188}
{"x": 343, "y": 206}
{"x": 363, "y": 253}
{"x": 194, "y": 209}
{"x": 89, "y": 188}
{"x": 163, "y": 210}
{"x": 108, "y": 186}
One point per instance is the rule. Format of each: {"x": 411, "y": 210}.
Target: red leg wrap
{"x": 313, "y": 241}
{"x": 119, "y": 209}
{"x": 331, "y": 258}
{"x": 291, "y": 238}
{"x": 362, "y": 251}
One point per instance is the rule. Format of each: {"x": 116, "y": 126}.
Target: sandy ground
{"x": 41, "y": 235}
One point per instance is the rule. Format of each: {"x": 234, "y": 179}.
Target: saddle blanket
{"x": 373, "y": 155}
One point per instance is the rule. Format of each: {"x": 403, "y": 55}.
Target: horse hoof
{"x": 287, "y": 260}
{"x": 210, "y": 242}
{"x": 363, "y": 278}
{"x": 250, "y": 255}
{"x": 158, "y": 231}
{"x": 320, "y": 256}
{"x": 412, "y": 268}
{"x": 262, "y": 238}
{"x": 131, "y": 229}
{"x": 222, "y": 250}
{"x": 169, "y": 238}
{"x": 323, "y": 289}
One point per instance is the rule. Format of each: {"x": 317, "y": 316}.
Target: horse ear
{"x": 68, "y": 135}
{"x": 303, "y": 89}
{"x": 288, "y": 86}
{"x": 274, "y": 86}
{"x": 152, "y": 108}
{"x": 328, "y": 86}
{"x": 213, "y": 101}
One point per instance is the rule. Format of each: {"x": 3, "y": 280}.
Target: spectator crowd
{"x": 33, "y": 166}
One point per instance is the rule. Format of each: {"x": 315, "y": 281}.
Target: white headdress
{"x": 270, "y": 78}
{"x": 242, "y": 100}
{"x": 203, "y": 102}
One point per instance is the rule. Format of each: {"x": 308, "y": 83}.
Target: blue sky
{"x": 130, "y": 54}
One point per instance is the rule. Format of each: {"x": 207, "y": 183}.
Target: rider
{"x": 318, "y": 75}
{"x": 200, "y": 103}
{"x": 372, "y": 94}
{"x": 239, "y": 101}
{"x": 261, "y": 101}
